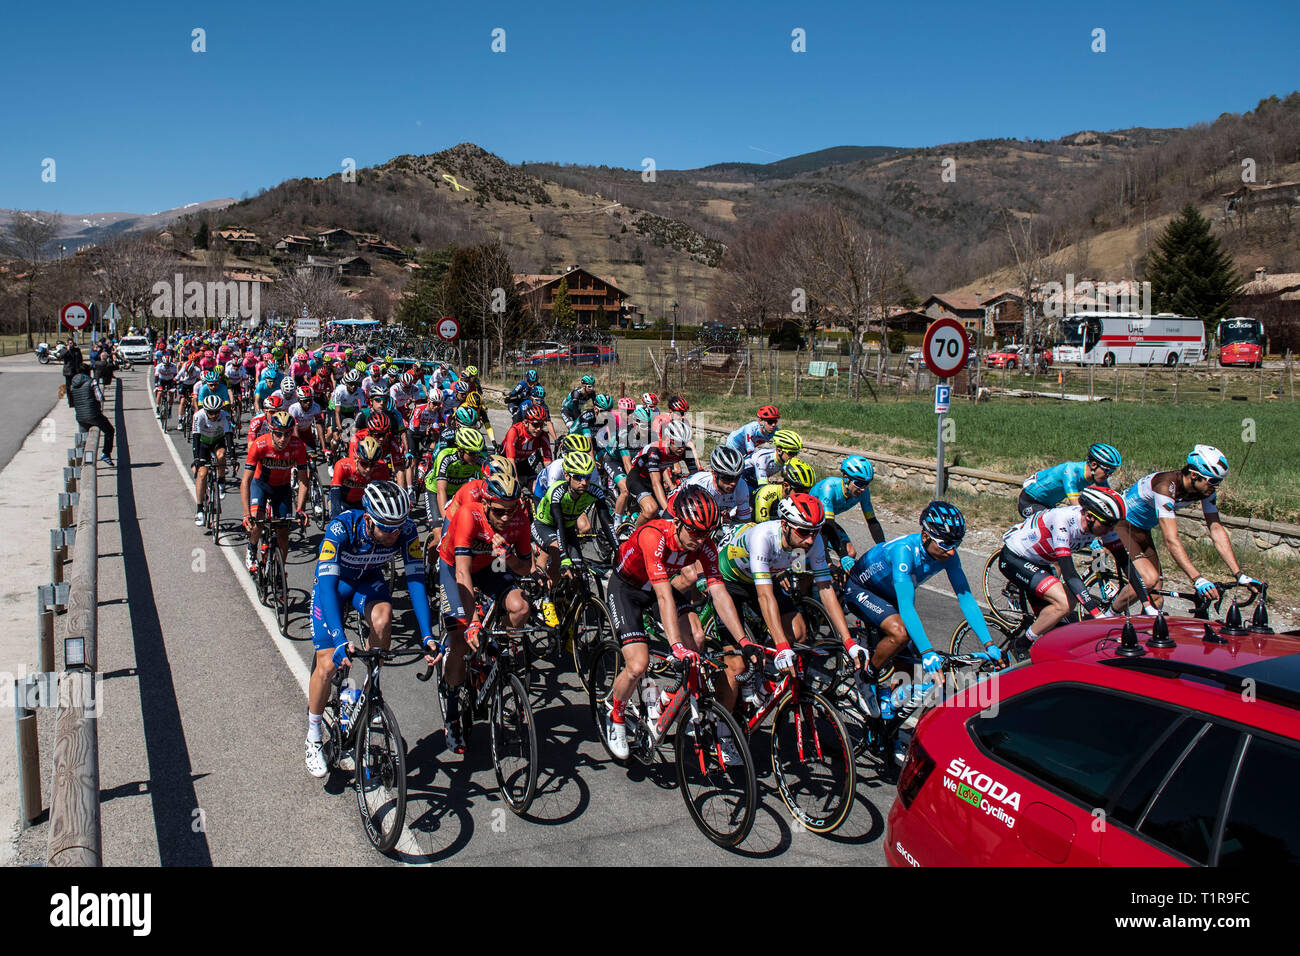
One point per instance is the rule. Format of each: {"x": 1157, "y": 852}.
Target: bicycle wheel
{"x": 835, "y": 678}
{"x": 606, "y": 663}
{"x": 1104, "y": 583}
{"x": 316, "y": 502}
{"x": 514, "y": 744}
{"x": 279, "y": 588}
{"x": 592, "y": 626}
{"x": 215, "y": 492}
{"x": 722, "y": 797}
{"x": 380, "y": 783}
{"x": 1003, "y": 596}
{"x": 812, "y": 760}
{"x": 966, "y": 641}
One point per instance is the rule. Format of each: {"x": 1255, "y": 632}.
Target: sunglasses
{"x": 281, "y": 432}
{"x": 946, "y": 546}
{"x": 802, "y": 534}
{"x": 500, "y": 511}
{"x": 384, "y": 530}
{"x": 1213, "y": 482}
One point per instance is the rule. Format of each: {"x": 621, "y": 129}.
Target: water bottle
{"x": 348, "y": 697}
{"x": 549, "y": 614}
{"x": 650, "y": 698}
{"x": 753, "y": 686}
{"x": 907, "y": 698}
{"x": 886, "y": 705}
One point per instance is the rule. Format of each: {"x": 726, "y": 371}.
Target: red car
{"x": 1012, "y": 356}
{"x": 1182, "y": 756}
{"x": 553, "y": 353}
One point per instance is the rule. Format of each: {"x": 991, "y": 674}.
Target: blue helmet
{"x": 212, "y": 377}
{"x": 943, "y": 522}
{"x": 1208, "y": 461}
{"x": 1105, "y": 455}
{"x": 857, "y": 468}
{"x": 531, "y": 375}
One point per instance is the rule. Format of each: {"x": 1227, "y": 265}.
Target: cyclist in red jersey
{"x": 270, "y": 464}
{"x": 525, "y": 439}
{"x": 484, "y": 547}
{"x": 641, "y": 582}
{"x": 352, "y": 474}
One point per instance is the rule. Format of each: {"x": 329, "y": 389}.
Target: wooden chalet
{"x": 336, "y": 239}
{"x": 589, "y": 294}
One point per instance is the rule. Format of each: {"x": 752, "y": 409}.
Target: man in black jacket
{"x": 87, "y": 399}
{"x": 72, "y": 361}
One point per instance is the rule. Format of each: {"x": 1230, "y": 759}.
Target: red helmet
{"x": 768, "y": 413}
{"x": 535, "y": 414}
{"x": 273, "y": 401}
{"x": 305, "y": 394}
{"x": 650, "y": 400}
{"x": 694, "y": 507}
{"x": 678, "y": 404}
{"x": 379, "y": 424}
{"x": 802, "y": 511}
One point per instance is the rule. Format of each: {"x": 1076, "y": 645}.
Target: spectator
{"x": 88, "y": 400}
{"x": 104, "y": 370}
{"x": 72, "y": 362}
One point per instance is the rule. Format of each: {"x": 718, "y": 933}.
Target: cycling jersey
{"x": 895, "y": 568}
{"x": 830, "y": 492}
{"x": 748, "y": 437}
{"x": 1052, "y": 535}
{"x": 165, "y": 372}
{"x": 548, "y": 476}
{"x": 347, "y": 402}
{"x": 469, "y": 533}
{"x": 520, "y": 446}
{"x": 656, "y": 458}
{"x": 218, "y": 390}
{"x": 1059, "y": 483}
{"x": 448, "y": 467}
{"x": 559, "y": 502}
{"x": 766, "y": 500}
{"x": 574, "y": 401}
{"x": 305, "y": 418}
{"x": 424, "y": 420}
{"x": 257, "y": 427}
{"x": 652, "y": 554}
{"x": 275, "y": 467}
{"x": 764, "y": 465}
{"x": 752, "y": 553}
{"x": 1160, "y": 495}
{"x": 734, "y": 507}
{"x": 211, "y": 427}
{"x": 349, "y": 477}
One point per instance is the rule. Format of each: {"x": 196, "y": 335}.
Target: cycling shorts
{"x": 1029, "y": 506}
{"x": 746, "y": 593}
{"x": 640, "y": 488}
{"x": 868, "y": 605}
{"x": 629, "y": 604}
{"x": 1029, "y": 573}
{"x": 207, "y": 450}
{"x": 279, "y": 499}
{"x": 363, "y": 593}
{"x": 495, "y": 584}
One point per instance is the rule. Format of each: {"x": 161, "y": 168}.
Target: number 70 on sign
{"x": 945, "y": 347}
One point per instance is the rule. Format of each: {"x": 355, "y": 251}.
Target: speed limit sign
{"x": 945, "y": 347}
{"x": 448, "y": 329}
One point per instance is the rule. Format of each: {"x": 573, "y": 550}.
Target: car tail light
{"x": 916, "y": 770}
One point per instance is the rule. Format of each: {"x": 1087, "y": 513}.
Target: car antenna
{"x": 1232, "y": 622}
{"x": 1160, "y": 633}
{"x": 1128, "y": 640}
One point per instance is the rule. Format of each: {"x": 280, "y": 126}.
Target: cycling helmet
{"x": 643, "y": 414}
{"x": 857, "y": 468}
{"x": 1104, "y": 504}
{"x": 943, "y": 522}
{"x": 300, "y": 357}
{"x": 575, "y": 442}
{"x": 374, "y": 371}
{"x": 1208, "y": 461}
{"x": 787, "y": 440}
{"x": 352, "y": 377}
{"x": 212, "y": 402}
{"x": 379, "y": 424}
{"x": 768, "y": 413}
{"x": 501, "y": 484}
{"x": 579, "y": 463}
{"x": 461, "y": 389}
{"x": 273, "y": 402}
{"x": 588, "y": 381}
{"x": 678, "y": 404}
{"x": 499, "y": 465}
{"x": 799, "y": 474}
{"x": 471, "y": 400}
{"x": 386, "y": 503}
{"x": 539, "y": 392}
{"x": 407, "y": 379}
{"x": 287, "y": 385}
{"x": 471, "y": 371}
{"x": 369, "y": 449}
{"x": 727, "y": 462}
{"x": 531, "y": 376}
{"x": 212, "y": 378}
{"x": 466, "y": 416}
{"x": 650, "y": 400}
{"x": 604, "y": 403}
{"x": 802, "y": 511}
{"x": 376, "y": 391}
{"x": 280, "y": 421}
{"x": 469, "y": 439}
{"x": 677, "y": 433}
{"x": 626, "y": 404}
{"x": 536, "y": 414}
{"x": 1105, "y": 455}
{"x": 695, "y": 508}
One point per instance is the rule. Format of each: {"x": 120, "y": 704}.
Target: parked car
{"x": 334, "y": 350}
{"x": 1185, "y": 755}
{"x": 135, "y": 348}
{"x": 1013, "y": 356}
{"x": 555, "y": 353}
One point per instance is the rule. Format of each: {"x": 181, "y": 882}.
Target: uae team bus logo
{"x": 1130, "y": 338}
{"x": 1241, "y": 342}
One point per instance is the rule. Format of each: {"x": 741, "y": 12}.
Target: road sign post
{"x": 944, "y": 349}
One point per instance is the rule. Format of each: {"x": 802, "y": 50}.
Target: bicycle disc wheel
{"x": 280, "y": 590}
{"x": 380, "y": 760}
{"x": 514, "y": 744}
{"x": 591, "y": 628}
{"x": 1104, "y": 584}
{"x": 966, "y": 641}
{"x": 1003, "y": 596}
{"x": 722, "y": 797}
{"x": 606, "y": 663}
{"x": 812, "y": 760}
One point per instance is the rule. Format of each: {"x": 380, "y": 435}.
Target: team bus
{"x": 1129, "y": 338}
{"x": 1241, "y": 342}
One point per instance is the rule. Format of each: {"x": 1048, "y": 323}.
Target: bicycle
{"x": 317, "y": 499}
{"x": 211, "y": 502}
{"x": 721, "y": 796}
{"x": 378, "y": 752}
{"x": 166, "y": 397}
{"x": 493, "y": 692}
{"x": 186, "y": 414}
{"x": 584, "y": 619}
{"x": 270, "y": 578}
{"x": 1005, "y": 598}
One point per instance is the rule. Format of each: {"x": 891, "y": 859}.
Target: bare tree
{"x": 29, "y": 239}
{"x": 127, "y": 268}
{"x": 1036, "y": 248}
{"x": 751, "y": 288}
{"x": 313, "y": 289}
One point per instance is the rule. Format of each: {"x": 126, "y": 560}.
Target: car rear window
{"x": 1263, "y": 828}
{"x": 1185, "y": 815}
{"x": 1080, "y": 740}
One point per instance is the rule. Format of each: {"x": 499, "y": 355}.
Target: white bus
{"x": 1129, "y": 338}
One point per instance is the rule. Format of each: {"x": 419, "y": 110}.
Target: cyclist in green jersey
{"x": 560, "y": 511}
{"x": 452, "y": 468}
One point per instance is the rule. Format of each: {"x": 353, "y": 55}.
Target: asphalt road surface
{"x": 28, "y": 390}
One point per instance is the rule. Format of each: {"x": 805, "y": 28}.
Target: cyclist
{"x": 452, "y": 468}
{"x": 758, "y": 432}
{"x": 563, "y": 509}
{"x": 271, "y": 461}
{"x": 522, "y": 391}
{"x": 524, "y": 441}
{"x": 764, "y": 463}
{"x": 345, "y": 403}
{"x": 353, "y": 473}
{"x": 614, "y": 459}
{"x": 840, "y": 494}
{"x": 403, "y": 394}
{"x": 235, "y": 376}
{"x": 164, "y": 376}
{"x": 677, "y": 409}
{"x": 477, "y": 531}
{"x": 573, "y": 402}
{"x": 260, "y": 424}
{"x": 1062, "y": 483}
{"x": 640, "y": 584}
{"x": 308, "y": 416}
{"x": 208, "y": 440}
{"x": 1156, "y": 499}
{"x": 724, "y": 483}
{"x": 797, "y": 477}
{"x": 1049, "y": 538}
{"x": 881, "y": 588}
{"x": 187, "y": 377}
{"x": 357, "y": 546}
{"x": 555, "y": 471}
{"x": 650, "y": 477}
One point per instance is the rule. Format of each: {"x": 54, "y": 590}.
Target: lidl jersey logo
{"x": 413, "y": 549}
{"x": 328, "y": 551}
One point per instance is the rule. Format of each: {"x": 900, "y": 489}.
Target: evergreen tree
{"x": 561, "y": 308}
{"x": 1190, "y": 274}
{"x": 201, "y": 239}
{"x": 423, "y": 306}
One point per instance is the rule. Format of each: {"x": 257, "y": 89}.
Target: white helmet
{"x": 677, "y": 432}
{"x": 1208, "y": 461}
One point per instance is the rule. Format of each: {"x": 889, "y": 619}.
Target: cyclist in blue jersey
{"x": 350, "y": 568}
{"x": 758, "y": 432}
{"x": 840, "y": 494}
{"x": 213, "y": 385}
{"x": 522, "y": 390}
{"x": 1062, "y": 483}
{"x": 882, "y": 585}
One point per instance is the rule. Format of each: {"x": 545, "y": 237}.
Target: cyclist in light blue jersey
{"x": 1062, "y": 483}
{"x": 213, "y": 385}
{"x": 882, "y": 589}
{"x": 839, "y": 494}
{"x": 748, "y": 437}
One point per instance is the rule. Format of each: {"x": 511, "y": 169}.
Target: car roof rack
{"x": 1226, "y": 679}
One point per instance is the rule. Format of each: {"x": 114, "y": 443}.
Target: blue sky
{"x": 136, "y": 121}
